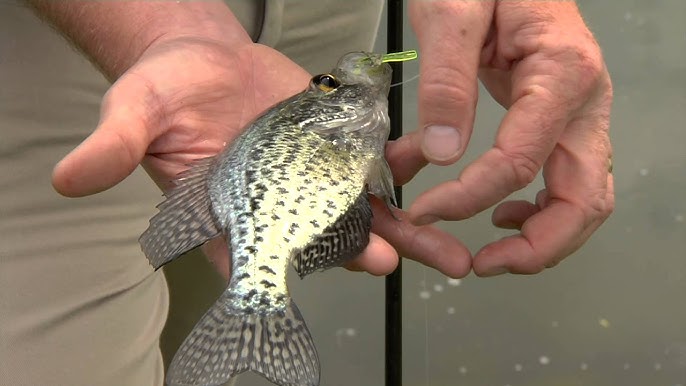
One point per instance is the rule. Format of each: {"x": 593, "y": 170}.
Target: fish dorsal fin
{"x": 340, "y": 242}
{"x": 185, "y": 220}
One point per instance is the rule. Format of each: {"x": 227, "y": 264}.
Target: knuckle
{"x": 448, "y": 86}
{"x": 524, "y": 168}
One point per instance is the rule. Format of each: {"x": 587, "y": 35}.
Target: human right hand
{"x": 540, "y": 62}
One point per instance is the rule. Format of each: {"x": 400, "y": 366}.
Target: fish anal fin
{"x": 340, "y": 242}
{"x": 184, "y": 221}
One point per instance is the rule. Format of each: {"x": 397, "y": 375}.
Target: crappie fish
{"x": 292, "y": 188}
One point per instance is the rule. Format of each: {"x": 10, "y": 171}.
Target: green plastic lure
{"x": 399, "y": 56}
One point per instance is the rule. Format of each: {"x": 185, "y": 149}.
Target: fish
{"x": 292, "y": 189}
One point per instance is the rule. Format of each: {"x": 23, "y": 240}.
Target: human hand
{"x": 184, "y": 99}
{"x": 539, "y": 61}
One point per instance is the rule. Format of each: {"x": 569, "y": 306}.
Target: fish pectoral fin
{"x": 381, "y": 185}
{"x": 184, "y": 221}
{"x": 340, "y": 242}
{"x": 228, "y": 341}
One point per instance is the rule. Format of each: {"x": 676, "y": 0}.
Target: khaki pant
{"x": 79, "y": 304}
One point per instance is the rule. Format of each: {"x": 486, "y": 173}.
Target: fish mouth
{"x": 369, "y": 67}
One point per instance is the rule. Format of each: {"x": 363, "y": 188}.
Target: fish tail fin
{"x": 225, "y": 343}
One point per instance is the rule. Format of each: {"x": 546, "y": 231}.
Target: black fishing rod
{"x": 394, "y": 43}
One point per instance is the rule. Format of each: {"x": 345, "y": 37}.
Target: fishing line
{"x": 408, "y": 80}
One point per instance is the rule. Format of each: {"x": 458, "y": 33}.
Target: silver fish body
{"x": 291, "y": 189}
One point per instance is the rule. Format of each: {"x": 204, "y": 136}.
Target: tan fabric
{"x": 79, "y": 304}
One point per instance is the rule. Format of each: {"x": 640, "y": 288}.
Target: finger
{"x": 512, "y": 214}
{"x": 578, "y": 198}
{"x": 114, "y": 149}
{"x": 526, "y": 136}
{"x": 217, "y": 251}
{"x": 405, "y": 157}
{"x": 450, "y": 36}
{"x": 379, "y": 258}
{"x": 426, "y": 244}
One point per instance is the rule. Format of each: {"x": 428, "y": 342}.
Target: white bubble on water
{"x": 628, "y": 16}
{"x": 462, "y": 370}
{"x": 438, "y": 288}
{"x": 350, "y": 332}
{"x": 451, "y": 310}
{"x": 583, "y": 366}
{"x": 679, "y": 217}
{"x": 643, "y": 172}
{"x": 424, "y": 295}
{"x": 518, "y": 367}
{"x": 626, "y": 366}
{"x": 555, "y": 324}
{"x": 454, "y": 282}
{"x": 544, "y": 360}
{"x": 657, "y": 366}
{"x": 604, "y": 323}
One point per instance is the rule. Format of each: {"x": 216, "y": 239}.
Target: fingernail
{"x": 426, "y": 219}
{"x": 441, "y": 143}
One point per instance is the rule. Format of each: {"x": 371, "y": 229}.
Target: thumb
{"x": 451, "y": 35}
{"x": 115, "y": 148}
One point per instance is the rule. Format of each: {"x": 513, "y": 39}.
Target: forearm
{"x": 114, "y": 34}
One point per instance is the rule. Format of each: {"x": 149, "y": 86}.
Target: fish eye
{"x": 326, "y": 82}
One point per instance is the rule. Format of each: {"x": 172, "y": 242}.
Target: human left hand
{"x": 540, "y": 62}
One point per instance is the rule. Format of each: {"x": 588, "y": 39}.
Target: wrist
{"x": 115, "y": 34}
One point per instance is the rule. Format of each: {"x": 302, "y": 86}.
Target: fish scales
{"x": 291, "y": 189}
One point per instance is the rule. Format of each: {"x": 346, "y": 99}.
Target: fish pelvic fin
{"x": 185, "y": 220}
{"x": 225, "y": 343}
{"x": 381, "y": 185}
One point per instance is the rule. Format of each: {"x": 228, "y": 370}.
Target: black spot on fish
{"x": 293, "y": 212}
{"x": 244, "y": 275}
{"x": 275, "y": 217}
{"x": 335, "y": 183}
{"x": 250, "y": 249}
{"x": 266, "y": 268}
{"x": 282, "y": 190}
{"x": 326, "y": 212}
{"x": 330, "y": 204}
{"x": 259, "y": 238}
{"x": 321, "y": 188}
{"x": 280, "y": 203}
{"x": 302, "y": 174}
{"x": 250, "y": 294}
{"x": 267, "y": 284}
{"x": 264, "y": 301}
{"x": 286, "y": 239}
{"x": 274, "y": 257}
{"x": 299, "y": 199}
{"x": 314, "y": 223}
